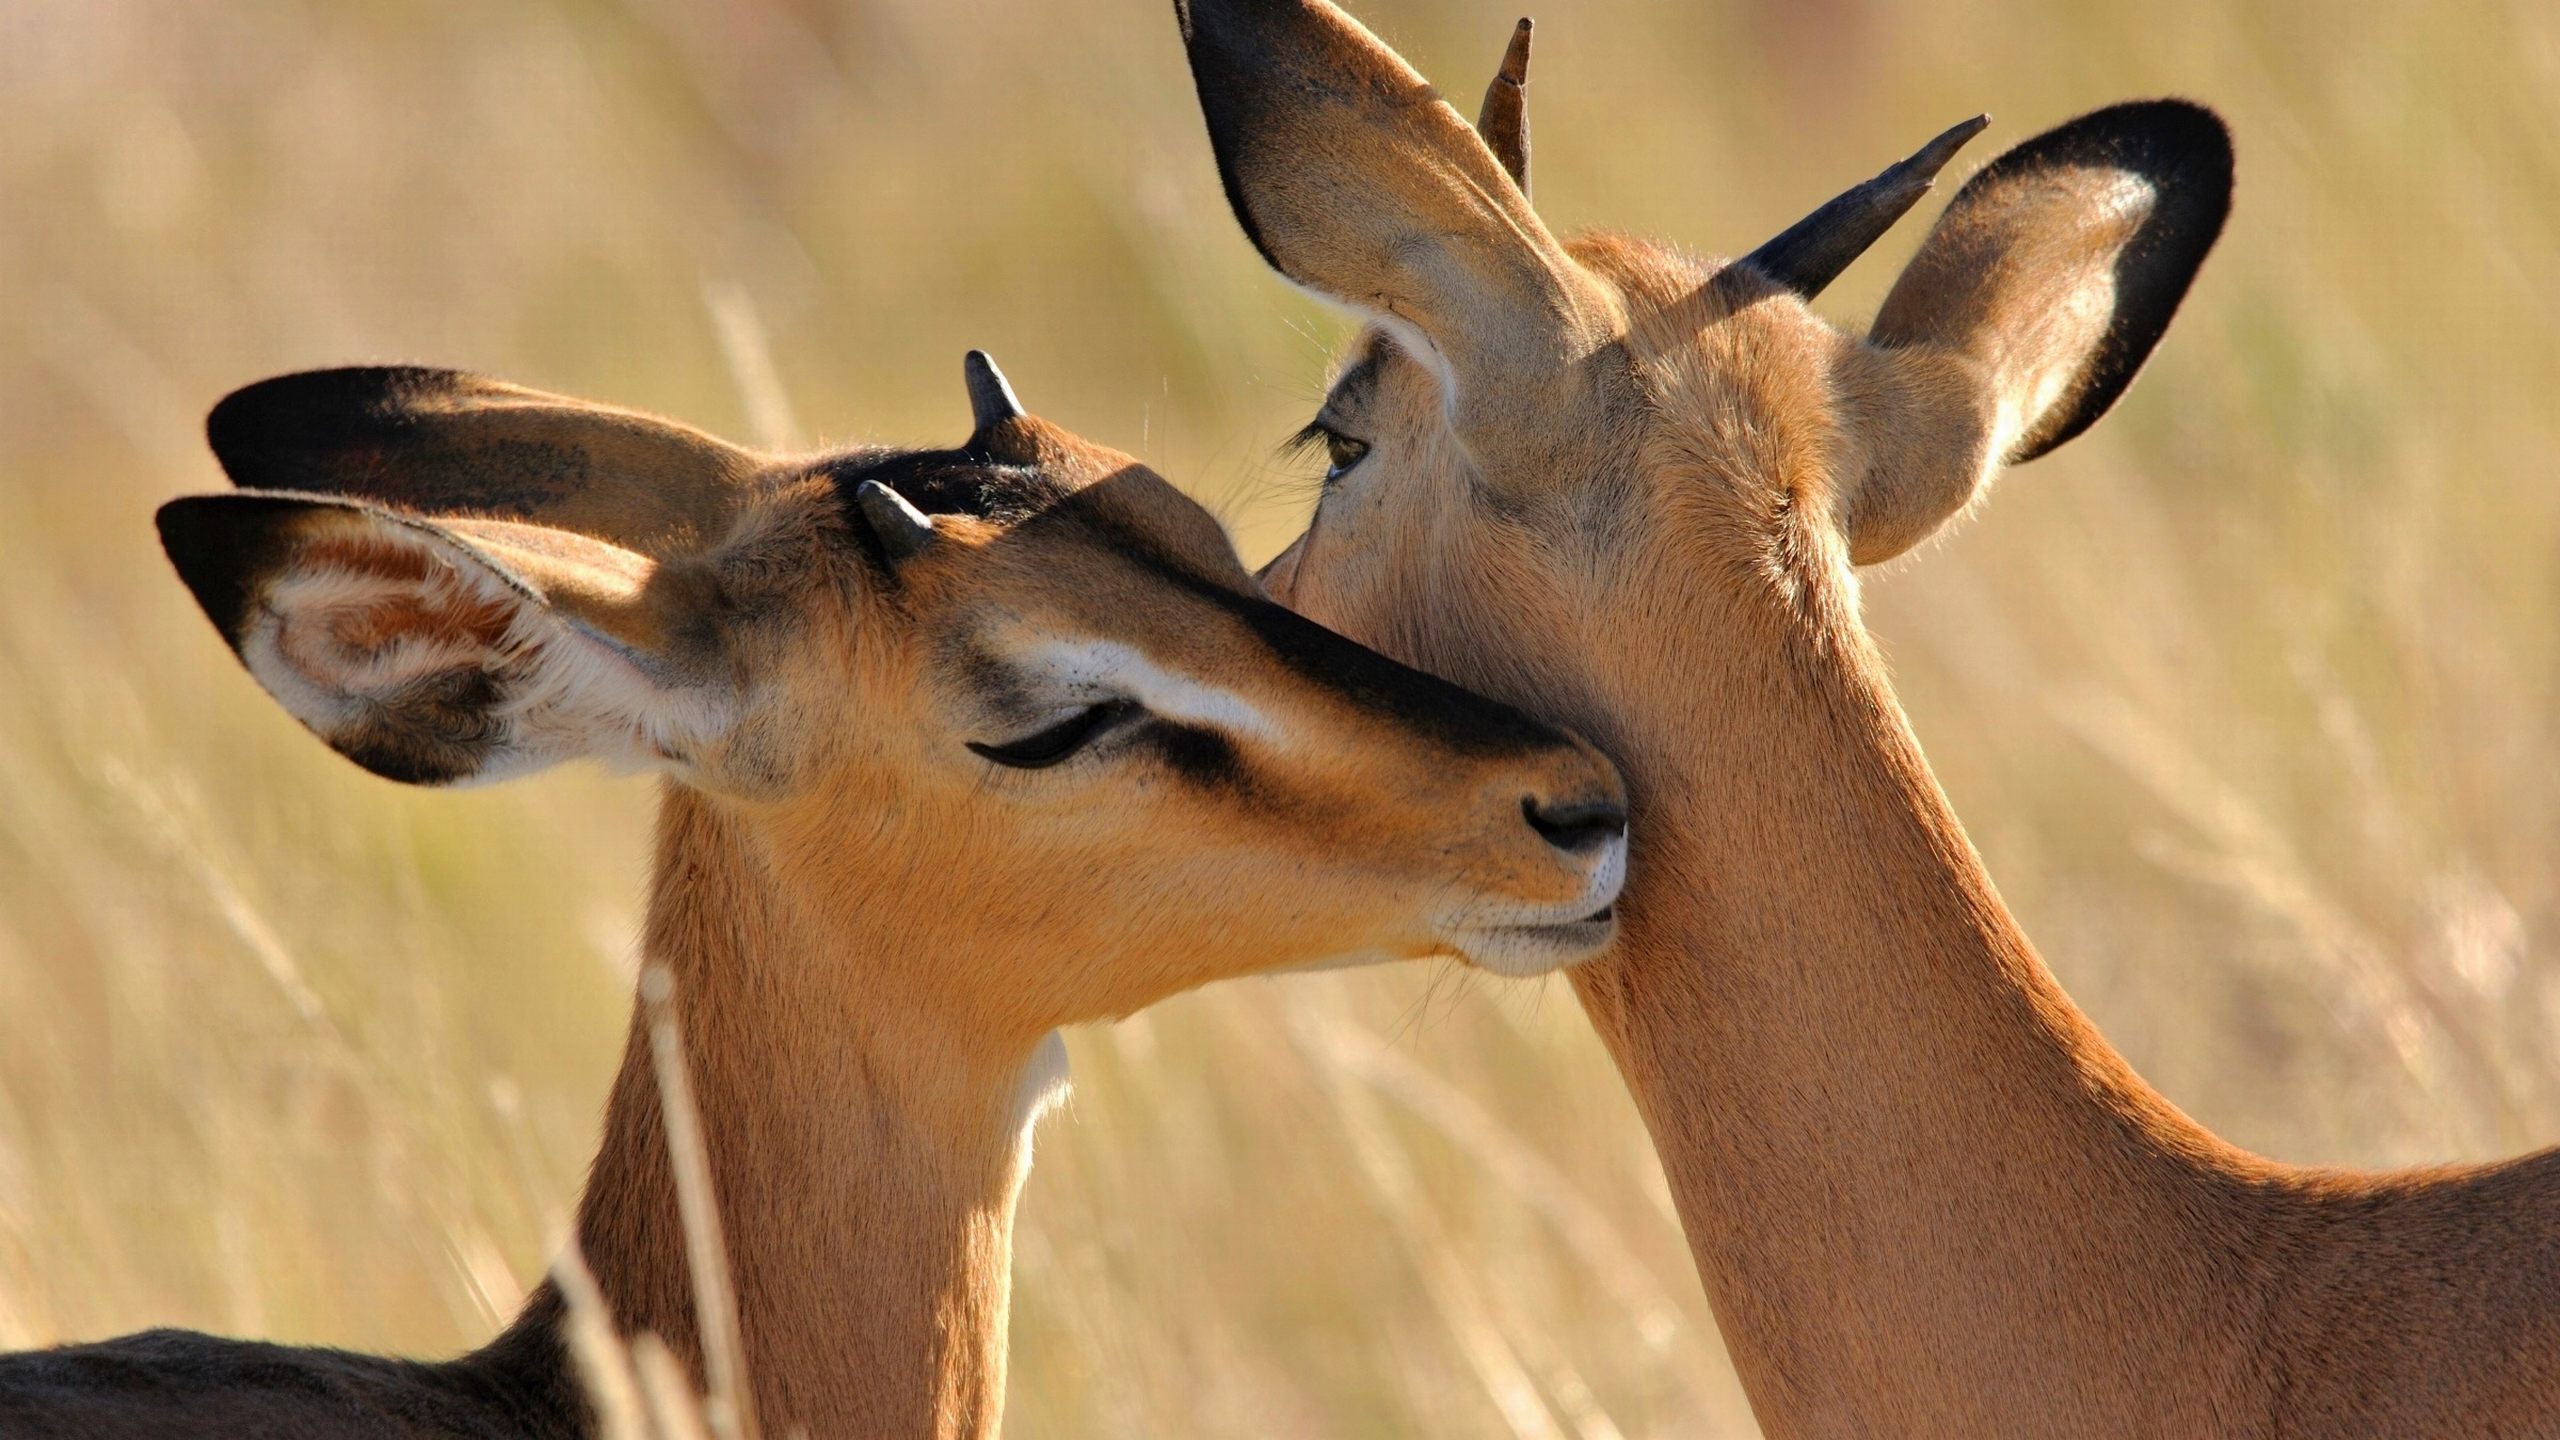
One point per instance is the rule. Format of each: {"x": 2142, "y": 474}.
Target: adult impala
{"x": 961, "y": 746}
{"x": 1631, "y": 486}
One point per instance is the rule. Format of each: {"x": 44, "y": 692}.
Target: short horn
{"x": 991, "y": 398}
{"x": 1504, "y": 119}
{"x": 903, "y": 530}
{"x": 1812, "y": 252}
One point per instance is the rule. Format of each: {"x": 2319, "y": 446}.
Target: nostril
{"x": 1577, "y": 827}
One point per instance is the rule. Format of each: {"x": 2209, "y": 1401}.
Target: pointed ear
{"x": 1353, "y": 177}
{"x": 442, "y": 652}
{"x": 2030, "y": 308}
{"x": 444, "y": 442}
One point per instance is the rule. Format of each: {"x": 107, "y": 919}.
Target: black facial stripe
{"x": 1427, "y": 703}
{"x": 1459, "y": 718}
{"x": 995, "y": 683}
{"x": 1198, "y": 754}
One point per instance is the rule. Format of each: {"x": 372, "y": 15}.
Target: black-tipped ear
{"x": 220, "y": 544}
{"x": 448, "y": 442}
{"x": 2115, "y": 210}
{"x": 438, "y": 651}
{"x": 2027, "y": 311}
{"x": 302, "y": 431}
{"x": 236, "y": 552}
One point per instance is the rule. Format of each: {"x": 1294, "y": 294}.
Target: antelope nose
{"x": 1577, "y": 827}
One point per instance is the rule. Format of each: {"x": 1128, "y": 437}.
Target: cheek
{"x": 812, "y": 726}
{"x": 785, "y": 753}
{"x": 1358, "y": 570}
{"x": 1279, "y": 579}
{"x": 1318, "y": 576}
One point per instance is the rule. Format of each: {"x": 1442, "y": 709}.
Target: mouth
{"x": 1525, "y": 940}
{"x": 1524, "y": 950}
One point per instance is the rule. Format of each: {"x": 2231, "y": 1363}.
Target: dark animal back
{"x": 168, "y": 1384}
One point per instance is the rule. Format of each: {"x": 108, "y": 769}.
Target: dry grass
{"x": 2251, "y": 696}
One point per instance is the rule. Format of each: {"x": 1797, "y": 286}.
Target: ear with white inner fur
{"x": 444, "y": 652}
{"x": 2028, "y": 310}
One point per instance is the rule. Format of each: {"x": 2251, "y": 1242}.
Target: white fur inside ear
{"x": 330, "y": 641}
{"x": 342, "y": 638}
{"x": 581, "y": 695}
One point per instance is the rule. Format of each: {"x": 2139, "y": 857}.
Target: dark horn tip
{"x": 1811, "y": 253}
{"x": 1933, "y": 157}
{"x": 1515, "y": 60}
{"x": 902, "y": 530}
{"x": 991, "y": 397}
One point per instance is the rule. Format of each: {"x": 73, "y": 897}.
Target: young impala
{"x": 1926, "y": 1197}
{"x": 960, "y": 746}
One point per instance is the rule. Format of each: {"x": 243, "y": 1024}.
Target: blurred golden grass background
{"x": 2249, "y": 696}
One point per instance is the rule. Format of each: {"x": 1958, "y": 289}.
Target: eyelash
{"x": 1343, "y": 454}
{"x": 1060, "y": 742}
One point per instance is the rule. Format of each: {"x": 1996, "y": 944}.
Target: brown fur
{"x": 1925, "y": 1196}
{"x": 870, "y": 928}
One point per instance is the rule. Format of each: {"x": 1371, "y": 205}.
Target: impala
{"x": 960, "y": 746}
{"x": 1633, "y": 488}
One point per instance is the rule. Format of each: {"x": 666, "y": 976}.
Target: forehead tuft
{"x": 1073, "y": 488}
{"x": 949, "y": 482}
{"x": 1646, "y": 274}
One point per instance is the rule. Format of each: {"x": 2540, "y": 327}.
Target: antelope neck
{"x": 1904, "y": 1160}
{"x": 866, "y": 1161}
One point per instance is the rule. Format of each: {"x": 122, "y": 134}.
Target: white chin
{"x": 1523, "y": 950}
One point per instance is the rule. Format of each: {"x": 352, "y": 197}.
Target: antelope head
{"x": 1574, "y": 470}
{"x": 1017, "y": 698}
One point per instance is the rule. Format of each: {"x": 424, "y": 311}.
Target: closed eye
{"x": 1044, "y": 748}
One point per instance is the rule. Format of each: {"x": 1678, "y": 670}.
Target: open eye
{"x": 1341, "y": 452}
{"x": 1044, "y": 748}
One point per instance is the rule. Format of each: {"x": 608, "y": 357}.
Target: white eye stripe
{"x": 1107, "y": 667}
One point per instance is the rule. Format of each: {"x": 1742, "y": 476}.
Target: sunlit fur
{"x": 874, "y": 933}
{"x": 1925, "y": 1196}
